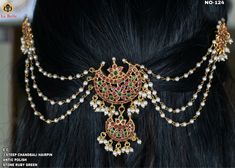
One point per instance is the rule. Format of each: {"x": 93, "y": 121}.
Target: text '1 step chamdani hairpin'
{"x": 120, "y": 94}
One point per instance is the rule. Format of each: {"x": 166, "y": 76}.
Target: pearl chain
{"x": 52, "y": 102}
{"x": 193, "y": 99}
{"x": 39, "y": 114}
{"x": 198, "y": 112}
{"x": 178, "y": 78}
{"x": 52, "y": 75}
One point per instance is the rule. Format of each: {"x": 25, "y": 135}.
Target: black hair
{"x": 167, "y": 36}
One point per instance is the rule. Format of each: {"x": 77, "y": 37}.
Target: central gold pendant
{"x": 119, "y": 94}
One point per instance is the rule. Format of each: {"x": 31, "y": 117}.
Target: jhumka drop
{"x": 121, "y": 91}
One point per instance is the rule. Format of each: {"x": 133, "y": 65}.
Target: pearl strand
{"x": 39, "y": 114}
{"x": 52, "y": 102}
{"x": 162, "y": 105}
{"x": 55, "y": 76}
{"x": 185, "y": 75}
{"x": 198, "y": 112}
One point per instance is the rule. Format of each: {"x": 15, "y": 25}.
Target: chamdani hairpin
{"x": 119, "y": 94}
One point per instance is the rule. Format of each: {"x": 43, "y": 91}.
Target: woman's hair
{"x": 167, "y": 36}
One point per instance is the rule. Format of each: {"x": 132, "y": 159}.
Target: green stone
{"x": 111, "y": 97}
{"x": 112, "y": 131}
{"x": 121, "y": 117}
{"x": 103, "y": 89}
{"x": 99, "y": 82}
{"x": 119, "y": 93}
{"x": 115, "y": 72}
{"x": 117, "y": 135}
{"x": 130, "y": 84}
{"x": 128, "y": 94}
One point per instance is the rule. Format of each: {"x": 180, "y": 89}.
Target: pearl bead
{"x": 177, "y": 78}
{"x": 81, "y": 89}
{"x": 32, "y": 105}
{"x": 177, "y": 110}
{"x": 85, "y": 72}
{"x": 85, "y": 83}
{"x": 185, "y": 75}
{"x": 202, "y": 103}
{"x": 191, "y": 121}
{"x": 154, "y": 101}
{"x": 211, "y": 61}
{"x": 199, "y": 86}
{"x": 177, "y": 124}
{"x": 78, "y": 75}
{"x": 149, "y": 72}
{"x": 205, "y": 94}
{"x": 158, "y": 99}
{"x": 190, "y": 103}
{"x": 183, "y": 108}
{"x": 60, "y": 102}
{"x": 162, "y": 115}
{"x": 142, "y": 67}
{"x": 139, "y": 141}
{"x": 150, "y": 84}
{"x": 48, "y": 121}
{"x": 154, "y": 92}
{"x": 145, "y": 76}
{"x": 169, "y": 121}
{"x": 157, "y": 108}
{"x": 81, "y": 100}
{"x": 184, "y": 124}
{"x": 163, "y": 106}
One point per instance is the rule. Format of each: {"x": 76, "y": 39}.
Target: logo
{"x": 7, "y": 7}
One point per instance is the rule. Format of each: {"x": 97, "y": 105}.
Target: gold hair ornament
{"x": 121, "y": 94}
